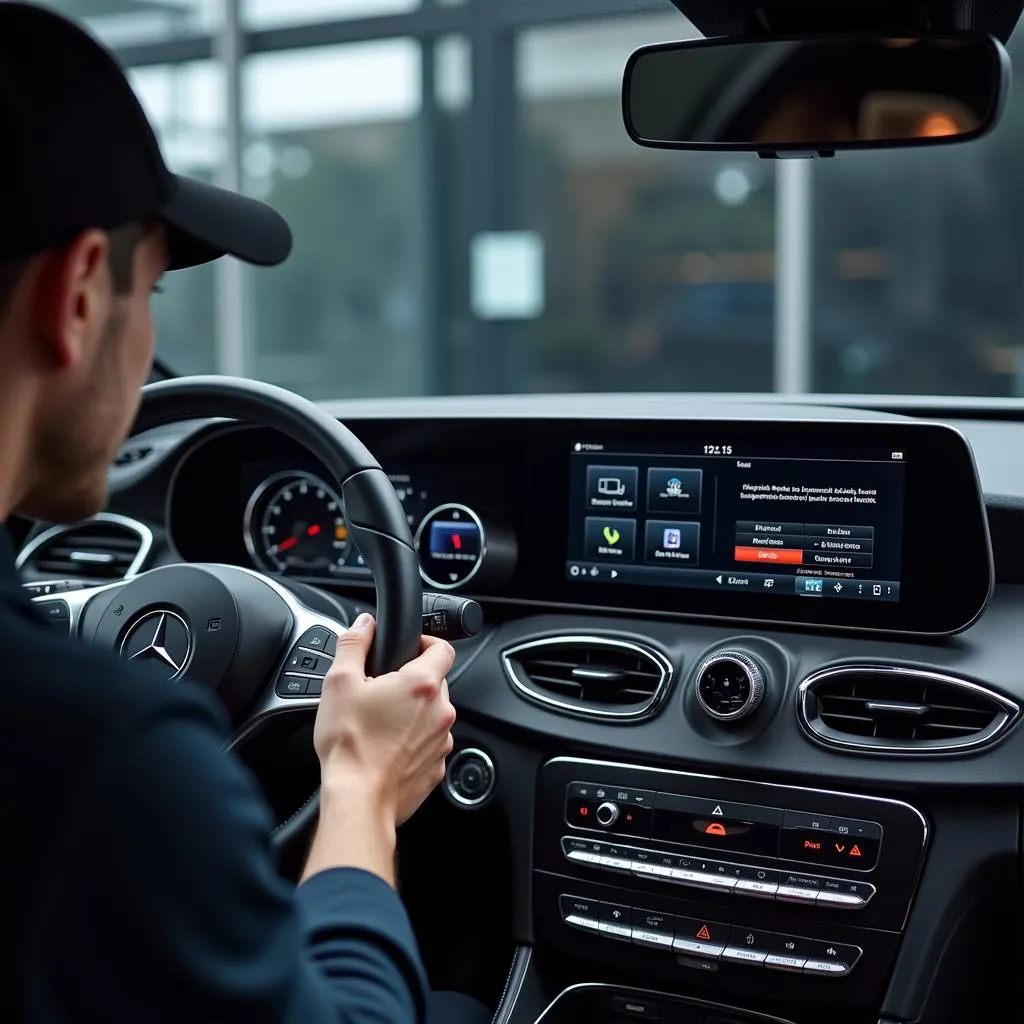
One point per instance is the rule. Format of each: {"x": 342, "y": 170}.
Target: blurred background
{"x": 470, "y": 216}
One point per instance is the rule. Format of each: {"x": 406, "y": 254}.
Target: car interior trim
{"x": 592, "y": 986}
{"x": 647, "y": 710}
{"x": 517, "y": 972}
{"x": 144, "y": 533}
{"x": 1008, "y": 715}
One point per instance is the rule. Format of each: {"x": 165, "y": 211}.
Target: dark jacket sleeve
{"x": 161, "y": 903}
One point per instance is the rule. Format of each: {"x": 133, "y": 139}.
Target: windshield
{"x": 470, "y": 216}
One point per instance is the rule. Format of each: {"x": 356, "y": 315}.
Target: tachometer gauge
{"x": 294, "y": 524}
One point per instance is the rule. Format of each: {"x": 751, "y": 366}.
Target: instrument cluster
{"x": 294, "y": 524}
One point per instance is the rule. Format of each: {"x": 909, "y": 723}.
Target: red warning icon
{"x": 704, "y": 933}
{"x": 855, "y": 852}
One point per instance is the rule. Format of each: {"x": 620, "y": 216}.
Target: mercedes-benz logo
{"x": 162, "y": 637}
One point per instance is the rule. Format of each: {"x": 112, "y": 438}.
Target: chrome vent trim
{"x": 527, "y": 688}
{"x": 1004, "y": 712}
{"x": 86, "y": 558}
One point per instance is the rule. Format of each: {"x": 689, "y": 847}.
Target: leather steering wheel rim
{"x": 375, "y": 516}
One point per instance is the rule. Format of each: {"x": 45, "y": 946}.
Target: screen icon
{"x": 674, "y": 544}
{"x": 609, "y": 540}
{"x": 612, "y": 489}
{"x": 675, "y": 491}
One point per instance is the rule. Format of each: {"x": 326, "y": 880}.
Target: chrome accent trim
{"x": 827, "y": 967}
{"x": 260, "y": 560}
{"x": 483, "y": 545}
{"x": 628, "y": 990}
{"x": 76, "y": 600}
{"x": 450, "y": 790}
{"x": 145, "y": 535}
{"x": 270, "y": 704}
{"x": 594, "y": 640}
{"x": 587, "y": 762}
{"x": 1008, "y": 712}
{"x": 827, "y": 898}
{"x": 156, "y": 643}
{"x": 755, "y": 677}
{"x": 517, "y": 972}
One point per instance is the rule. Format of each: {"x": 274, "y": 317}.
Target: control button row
{"x": 719, "y": 876}
{"x": 710, "y": 940}
{"x": 307, "y": 664}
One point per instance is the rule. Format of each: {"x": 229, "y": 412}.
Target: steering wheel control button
{"x": 607, "y": 814}
{"x": 321, "y": 639}
{"x": 696, "y": 937}
{"x": 788, "y": 952}
{"x": 747, "y": 946}
{"x": 730, "y": 686}
{"x": 56, "y": 613}
{"x": 309, "y": 664}
{"x": 292, "y": 686}
{"x": 469, "y": 778}
{"x": 653, "y": 928}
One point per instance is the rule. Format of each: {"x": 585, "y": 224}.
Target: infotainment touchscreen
{"x": 752, "y": 517}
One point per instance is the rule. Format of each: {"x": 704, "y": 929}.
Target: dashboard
{"x": 873, "y": 525}
{"x": 740, "y": 739}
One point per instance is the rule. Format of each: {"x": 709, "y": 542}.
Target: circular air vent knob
{"x": 730, "y": 686}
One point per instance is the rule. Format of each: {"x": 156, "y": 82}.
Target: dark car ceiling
{"x": 782, "y": 17}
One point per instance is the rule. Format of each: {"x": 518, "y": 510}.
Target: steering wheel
{"x": 239, "y": 632}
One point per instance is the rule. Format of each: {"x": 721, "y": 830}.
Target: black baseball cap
{"x": 77, "y": 152}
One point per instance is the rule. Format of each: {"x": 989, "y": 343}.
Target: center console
{"x": 793, "y": 895}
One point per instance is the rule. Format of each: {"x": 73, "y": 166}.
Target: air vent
{"x": 889, "y": 709}
{"x": 590, "y": 676}
{"x": 106, "y": 547}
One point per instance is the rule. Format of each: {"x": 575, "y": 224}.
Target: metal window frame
{"x": 491, "y": 28}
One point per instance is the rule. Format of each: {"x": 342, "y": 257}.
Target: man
{"x": 138, "y": 882}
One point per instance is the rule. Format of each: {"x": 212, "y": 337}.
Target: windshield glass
{"x": 470, "y": 216}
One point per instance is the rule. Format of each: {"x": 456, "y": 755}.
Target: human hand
{"x": 388, "y": 736}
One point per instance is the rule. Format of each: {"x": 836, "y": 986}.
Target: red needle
{"x": 288, "y": 542}
{"x": 313, "y": 530}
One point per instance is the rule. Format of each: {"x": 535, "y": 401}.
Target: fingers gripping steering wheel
{"x": 238, "y": 631}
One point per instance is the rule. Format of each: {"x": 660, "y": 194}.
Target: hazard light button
{"x": 697, "y": 937}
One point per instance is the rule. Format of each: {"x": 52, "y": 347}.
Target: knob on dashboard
{"x": 730, "y": 686}
{"x": 607, "y": 814}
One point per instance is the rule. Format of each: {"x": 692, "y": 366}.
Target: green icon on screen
{"x": 612, "y": 536}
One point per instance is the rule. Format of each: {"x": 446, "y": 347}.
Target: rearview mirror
{"x": 814, "y": 95}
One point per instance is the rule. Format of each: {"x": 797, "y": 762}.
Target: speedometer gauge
{"x": 294, "y": 524}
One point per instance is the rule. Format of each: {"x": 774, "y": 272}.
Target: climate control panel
{"x": 720, "y": 876}
{"x": 725, "y": 825}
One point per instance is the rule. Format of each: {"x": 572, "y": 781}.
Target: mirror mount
{"x": 767, "y": 18}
